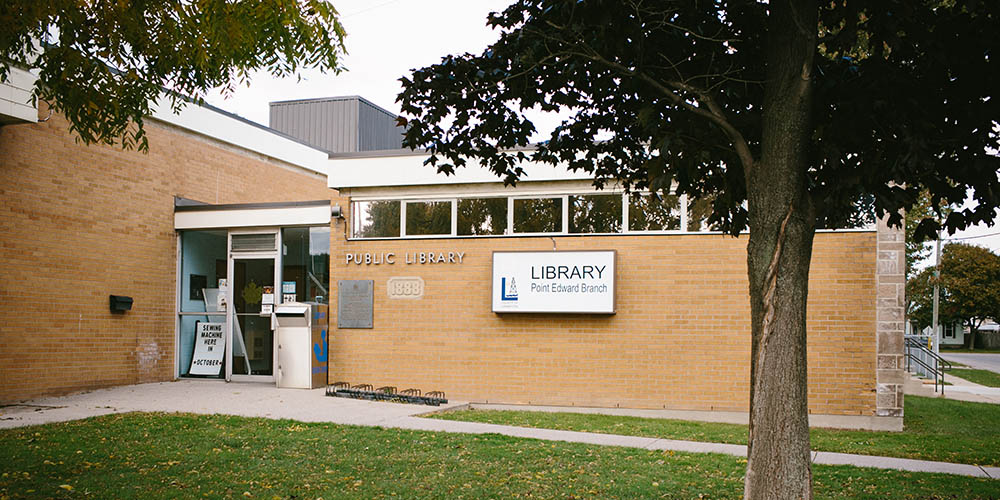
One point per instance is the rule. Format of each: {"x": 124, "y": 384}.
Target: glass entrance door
{"x": 224, "y": 327}
{"x": 253, "y": 296}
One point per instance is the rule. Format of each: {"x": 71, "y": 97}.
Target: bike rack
{"x": 385, "y": 393}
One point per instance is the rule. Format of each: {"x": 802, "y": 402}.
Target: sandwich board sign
{"x": 209, "y": 349}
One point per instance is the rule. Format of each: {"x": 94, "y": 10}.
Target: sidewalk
{"x": 960, "y": 389}
{"x": 266, "y": 400}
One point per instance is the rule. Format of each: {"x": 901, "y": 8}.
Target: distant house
{"x": 954, "y": 334}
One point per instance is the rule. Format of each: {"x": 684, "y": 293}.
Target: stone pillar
{"x": 890, "y": 307}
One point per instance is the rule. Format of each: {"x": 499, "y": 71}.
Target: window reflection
{"x": 651, "y": 212}
{"x": 375, "y": 219}
{"x": 203, "y": 264}
{"x": 305, "y": 273}
{"x": 538, "y": 215}
{"x": 428, "y": 217}
{"x": 482, "y": 216}
{"x": 699, "y": 210}
{"x": 595, "y": 213}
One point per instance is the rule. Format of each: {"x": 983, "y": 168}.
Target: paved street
{"x": 982, "y": 361}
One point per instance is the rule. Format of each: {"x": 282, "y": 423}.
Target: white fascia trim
{"x": 409, "y": 170}
{"x": 254, "y": 217}
{"x": 15, "y": 97}
{"x": 480, "y": 190}
{"x": 244, "y": 135}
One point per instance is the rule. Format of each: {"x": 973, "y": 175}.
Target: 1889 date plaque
{"x": 354, "y": 303}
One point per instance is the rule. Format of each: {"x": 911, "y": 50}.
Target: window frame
{"x": 561, "y": 194}
{"x": 402, "y": 218}
{"x": 945, "y": 328}
{"x": 622, "y": 222}
{"x": 507, "y": 216}
{"x": 352, "y": 230}
{"x": 564, "y": 208}
{"x": 681, "y": 205}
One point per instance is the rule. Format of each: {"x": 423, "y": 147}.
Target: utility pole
{"x": 937, "y": 277}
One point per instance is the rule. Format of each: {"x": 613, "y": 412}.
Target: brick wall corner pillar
{"x": 890, "y": 279}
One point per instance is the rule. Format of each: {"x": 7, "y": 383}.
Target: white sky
{"x": 981, "y": 235}
{"x": 388, "y": 38}
{"x": 385, "y": 40}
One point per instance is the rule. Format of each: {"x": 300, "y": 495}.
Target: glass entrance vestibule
{"x": 229, "y": 281}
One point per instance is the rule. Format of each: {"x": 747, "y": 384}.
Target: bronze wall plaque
{"x": 355, "y": 303}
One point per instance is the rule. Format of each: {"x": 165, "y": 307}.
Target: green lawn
{"x": 936, "y": 429}
{"x": 153, "y": 456}
{"x": 984, "y": 377}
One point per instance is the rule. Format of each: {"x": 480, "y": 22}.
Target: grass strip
{"x": 983, "y": 377}
{"x": 935, "y": 429}
{"x": 153, "y": 456}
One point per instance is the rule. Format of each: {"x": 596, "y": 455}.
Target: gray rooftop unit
{"x": 347, "y": 124}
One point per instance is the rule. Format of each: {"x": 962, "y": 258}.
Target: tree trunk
{"x": 782, "y": 225}
{"x": 972, "y": 335}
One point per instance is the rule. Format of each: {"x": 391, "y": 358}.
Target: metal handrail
{"x": 937, "y": 357}
{"x": 929, "y": 369}
{"x": 940, "y": 364}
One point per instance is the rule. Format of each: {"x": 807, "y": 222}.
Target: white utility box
{"x": 301, "y": 331}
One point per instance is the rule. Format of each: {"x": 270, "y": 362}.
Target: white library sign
{"x": 554, "y": 282}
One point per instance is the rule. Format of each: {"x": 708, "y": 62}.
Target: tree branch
{"x": 714, "y": 113}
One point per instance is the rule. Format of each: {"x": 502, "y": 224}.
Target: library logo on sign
{"x": 508, "y": 290}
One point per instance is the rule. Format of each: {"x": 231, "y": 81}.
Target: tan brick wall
{"x": 680, "y": 338}
{"x": 80, "y": 223}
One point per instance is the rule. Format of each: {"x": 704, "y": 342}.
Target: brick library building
{"x": 123, "y": 267}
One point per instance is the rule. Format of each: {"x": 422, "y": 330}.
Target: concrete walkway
{"x": 265, "y": 400}
{"x": 960, "y": 389}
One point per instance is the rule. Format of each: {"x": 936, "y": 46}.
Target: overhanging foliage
{"x": 104, "y": 63}
{"x": 672, "y": 92}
